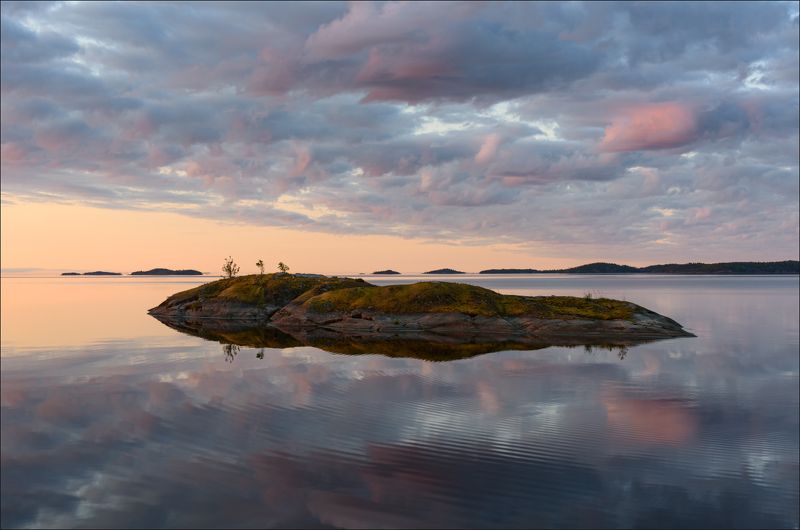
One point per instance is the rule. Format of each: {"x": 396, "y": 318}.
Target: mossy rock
{"x": 256, "y": 289}
{"x": 449, "y": 297}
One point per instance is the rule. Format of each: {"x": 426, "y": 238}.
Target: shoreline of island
{"x": 785, "y": 267}
{"x": 151, "y": 272}
{"x": 724, "y": 268}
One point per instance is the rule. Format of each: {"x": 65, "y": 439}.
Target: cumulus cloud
{"x": 657, "y": 126}
{"x": 439, "y": 120}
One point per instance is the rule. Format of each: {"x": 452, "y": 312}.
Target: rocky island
{"x": 444, "y": 271}
{"x": 95, "y": 273}
{"x": 310, "y": 307}
{"x": 167, "y": 272}
{"x": 387, "y": 271}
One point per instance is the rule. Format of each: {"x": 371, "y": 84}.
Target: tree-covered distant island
{"x": 167, "y": 272}
{"x": 444, "y": 271}
{"x": 387, "y": 271}
{"x": 734, "y": 267}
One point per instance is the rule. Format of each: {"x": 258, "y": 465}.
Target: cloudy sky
{"x": 345, "y": 137}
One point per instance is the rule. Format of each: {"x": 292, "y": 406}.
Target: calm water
{"x": 111, "y": 419}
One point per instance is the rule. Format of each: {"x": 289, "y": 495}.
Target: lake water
{"x": 111, "y": 419}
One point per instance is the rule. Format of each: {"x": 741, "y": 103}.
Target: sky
{"x": 349, "y": 137}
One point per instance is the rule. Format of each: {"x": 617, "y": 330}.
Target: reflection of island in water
{"x": 418, "y": 345}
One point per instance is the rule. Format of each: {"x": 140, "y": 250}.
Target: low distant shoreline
{"x": 787, "y": 267}
{"x": 151, "y": 272}
{"x": 731, "y": 268}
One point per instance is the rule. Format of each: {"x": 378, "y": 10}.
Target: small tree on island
{"x": 230, "y": 269}
{"x": 260, "y": 265}
{"x": 283, "y": 267}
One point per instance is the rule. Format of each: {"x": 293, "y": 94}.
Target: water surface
{"x": 111, "y": 419}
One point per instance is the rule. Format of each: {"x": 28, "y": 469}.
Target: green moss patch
{"x": 571, "y": 307}
{"x": 272, "y": 289}
{"x": 448, "y": 297}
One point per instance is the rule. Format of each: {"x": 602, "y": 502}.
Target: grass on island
{"x": 273, "y": 289}
{"x": 448, "y": 297}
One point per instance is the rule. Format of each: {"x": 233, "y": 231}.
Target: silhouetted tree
{"x": 283, "y": 267}
{"x": 230, "y": 269}
{"x": 260, "y": 265}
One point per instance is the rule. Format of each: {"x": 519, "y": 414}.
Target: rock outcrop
{"x": 305, "y": 306}
{"x": 253, "y": 297}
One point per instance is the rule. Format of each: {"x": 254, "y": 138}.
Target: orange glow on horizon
{"x": 81, "y": 238}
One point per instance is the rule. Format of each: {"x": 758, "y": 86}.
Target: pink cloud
{"x": 302, "y": 158}
{"x": 366, "y": 25}
{"x": 646, "y": 127}
{"x": 394, "y": 76}
{"x": 700, "y": 214}
{"x": 13, "y": 152}
{"x": 488, "y": 149}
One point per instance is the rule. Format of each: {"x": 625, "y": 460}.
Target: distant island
{"x": 167, "y": 272}
{"x": 334, "y": 307}
{"x": 444, "y": 271}
{"x": 387, "y": 271}
{"x": 95, "y": 273}
{"x": 734, "y": 267}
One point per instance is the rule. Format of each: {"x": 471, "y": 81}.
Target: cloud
{"x": 488, "y": 148}
{"x": 21, "y": 44}
{"x": 656, "y": 126}
{"x": 366, "y": 25}
{"x": 402, "y": 52}
{"x": 445, "y": 120}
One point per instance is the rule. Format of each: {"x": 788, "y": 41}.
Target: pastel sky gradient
{"x": 343, "y": 138}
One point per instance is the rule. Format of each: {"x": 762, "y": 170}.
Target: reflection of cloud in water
{"x": 649, "y": 420}
{"x": 546, "y": 438}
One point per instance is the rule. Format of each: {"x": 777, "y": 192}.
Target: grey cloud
{"x": 358, "y": 106}
{"x": 21, "y": 44}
